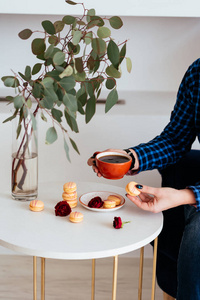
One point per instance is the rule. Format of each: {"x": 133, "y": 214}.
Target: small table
{"x": 45, "y": 235}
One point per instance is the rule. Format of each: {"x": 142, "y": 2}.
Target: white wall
{"x": 161, "y": 49}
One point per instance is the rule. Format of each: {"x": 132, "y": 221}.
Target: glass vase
{"x": 24, "y": 177}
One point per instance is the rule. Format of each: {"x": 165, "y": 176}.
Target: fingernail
{"x": 139, "y": 186}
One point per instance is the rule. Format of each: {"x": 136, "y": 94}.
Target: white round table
{"x": 45, "y": 235}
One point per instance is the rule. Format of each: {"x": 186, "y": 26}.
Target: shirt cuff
{"x": 196, "y": 191}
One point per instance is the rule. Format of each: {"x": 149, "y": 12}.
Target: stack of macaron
{"x": 112, "y": 201}
{"x": 70, "y": 193}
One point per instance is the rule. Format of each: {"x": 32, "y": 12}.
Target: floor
{"x": 72, "y": 279}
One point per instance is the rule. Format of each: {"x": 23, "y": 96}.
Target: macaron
{"x": 131, "y": 189}
{"x": 69, "y": 196}
{"x": 76, "y": 217}
{"x": 69, "y": 187}
{"x": 72, "y": 203}
{"x": 36, "y": 205}
{"x": 109, "y": 204}
{"x": 115, "y": 198}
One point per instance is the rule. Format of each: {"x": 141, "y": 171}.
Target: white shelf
{"x": 164, "y": 8}
{"x": 131, "y": 103}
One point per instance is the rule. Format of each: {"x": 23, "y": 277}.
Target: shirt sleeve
{"x": 177, "y": 137}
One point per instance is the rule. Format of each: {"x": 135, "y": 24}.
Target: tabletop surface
{"x": 43, "y": 234}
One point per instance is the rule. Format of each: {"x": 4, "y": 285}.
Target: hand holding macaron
{"x": 158, "y": 199}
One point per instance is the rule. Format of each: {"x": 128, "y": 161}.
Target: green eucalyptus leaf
{"x": 37, "y": 90}
{"x": 91, "y": 12}
{"x": 103, "y": 32}
{"x": 128, "y": 64}
{"x": 122, "y": 53}
{"x": 77, "y": 34}
{"x": 80, "y": 108}
{"x": 9, "y": 98}
{"x": 90, "y": 88}
{"x": 36, "y": 68}
{"x": 113, "y": 72}
{"x": 69, "y": 20}
{"x": 88, "y": 37}
{"x": 19, "y": 127}
{"x": 47, "y": 82}
{"x": 74, "y": 145}
{"x": 90, "y": 109}
{"x": 81, "y": 96}
{"x": 90, "y": 63}
{"x": 51, "y": 136}
{"x": 71, "y": 121}
{"x": 38, "y": 46}
{"x": 25, "y": 34}
{"x": 110, "y": 83}
{"x": 25, "y": 112}
{"x": 9, "y": 119}
{"x": 9, "y": 81}
{"x": 23, "y": 76}
{"x": 95, "y": 21}
{"x": 59, "y": 58}
{"x": 68, "y": 83}
{"x": 49, "y": 99}
{"x": 57, "y": 114}
{"x": 73, "y": 48}
{"x": 28, "y": 73}
{"x": 54, "y": 74}
{"x": 99, "y": 46}
{"x": 43, "y": 117}
{"x": 116, "y": 22}
{"x": 68, "y": 71}
{"x": 96, "y": 65}
{"x": 81, "y": 23}
{"x": 53, "y": 40}
{"x": 66, "y": 150}
{"x": 113, "y": 53}
{"x": 49, "y": 51}
{"x": 48, "y": 27}
{"x": 111, "y": 100}
{"x": 19, "y": 101}
{"x": 70, "y": 102}
{"x": 71, "y": 2}
{"x": 79, "y": 64}
{"x": 59, "y": 25}
{"x": 80, "y": 76}
{"x": 29, "y": 103}
{"x": 34, "y": 123}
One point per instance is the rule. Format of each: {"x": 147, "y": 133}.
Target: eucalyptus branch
{"x": 77, "y": 56}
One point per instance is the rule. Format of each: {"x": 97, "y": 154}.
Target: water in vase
{"x": 24, "y": 177}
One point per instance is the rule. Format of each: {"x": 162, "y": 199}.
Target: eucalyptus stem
{"x": 21, "y": 158}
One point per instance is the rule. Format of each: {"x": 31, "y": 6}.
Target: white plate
{"x": 85, "y": 198}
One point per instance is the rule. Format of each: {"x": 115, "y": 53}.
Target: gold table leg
{"x": 154, "y": 269}
{"x": 34, "y": 278}
{"x": 93, "y": 279}
{"x": 115, "y": 268}
{"x": 42, "y": 278}
{"x": 141, "y": 273}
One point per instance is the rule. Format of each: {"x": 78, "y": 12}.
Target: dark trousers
{"x": 178, "y": 259}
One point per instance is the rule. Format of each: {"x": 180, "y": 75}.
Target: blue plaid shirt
{"x": 179, "y": 135}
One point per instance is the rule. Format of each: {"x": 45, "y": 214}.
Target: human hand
{"x": 92, "y": 161}
{"x": 159, "y": 199}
